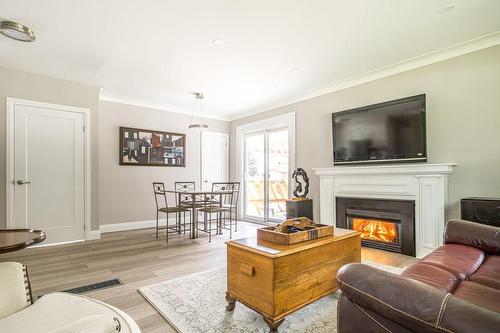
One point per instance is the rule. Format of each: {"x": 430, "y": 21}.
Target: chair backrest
{"x": 159, "y": 193}
{"x": 236, "y": 188}
{"x": 184, "y": 187}
{"x": 15, "y": 288}
{"x": 226, "y": 198}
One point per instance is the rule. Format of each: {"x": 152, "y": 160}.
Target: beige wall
{"x": 463, "y": 103}
{"x": 463, "y": 121}
{"x": 126, "y": 191}
{"x": 119, "y": 193}
{"x": 35, "y": 87}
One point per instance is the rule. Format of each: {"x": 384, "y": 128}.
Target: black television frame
{"x": 422, "y": 159}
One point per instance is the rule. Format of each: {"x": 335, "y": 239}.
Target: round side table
{"x": 18, "y": 239}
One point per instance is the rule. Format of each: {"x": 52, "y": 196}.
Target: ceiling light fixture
{"x": 218, "y": 41}
{"x": 294, "y": 71}
{"x": 17, "y": 31}
{"x": 446, "y": 9}
{"x": 197, "y": 119}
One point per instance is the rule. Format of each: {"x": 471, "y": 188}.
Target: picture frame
{"x": 144, "y": 147}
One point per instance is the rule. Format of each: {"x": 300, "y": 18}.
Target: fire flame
{"x": 381, "y": 231}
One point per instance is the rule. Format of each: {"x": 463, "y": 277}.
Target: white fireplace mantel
{"x": 425, "y": 184}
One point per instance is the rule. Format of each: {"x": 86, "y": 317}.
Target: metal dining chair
{"x": 218, "y": 204}
{"x": 162, "y": 207}
{"x": 233, "y": 205}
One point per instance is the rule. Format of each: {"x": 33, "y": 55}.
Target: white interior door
{"x": 214, "y": 158}
{"x": 49, "y": 172}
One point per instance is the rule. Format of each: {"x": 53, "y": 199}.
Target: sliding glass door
{"x": 255, "y": 173}
{"x": 266, "y": 174}
{"x": 277, "y": 171}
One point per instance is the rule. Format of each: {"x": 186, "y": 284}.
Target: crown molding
{"x": 107, "y": 97}
{"x": 400, "y": 67}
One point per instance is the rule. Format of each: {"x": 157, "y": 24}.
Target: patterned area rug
{"x": 196, "y": 303}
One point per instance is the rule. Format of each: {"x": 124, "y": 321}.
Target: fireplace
{"x": 384, "y": 224}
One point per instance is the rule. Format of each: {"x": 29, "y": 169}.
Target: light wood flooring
{"x": 138, "y": 259}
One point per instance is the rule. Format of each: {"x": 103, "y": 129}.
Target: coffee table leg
{"x": 231, "y": 302}
{"x": 273, "y": 325}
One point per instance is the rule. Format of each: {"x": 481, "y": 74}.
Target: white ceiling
{"x": 156, "y": 51}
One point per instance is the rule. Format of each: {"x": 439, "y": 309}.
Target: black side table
{"x": 481, "y": 210}
{"x": 299, "y": 208}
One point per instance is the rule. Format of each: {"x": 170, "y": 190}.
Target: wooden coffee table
{"x": 18, "y": 239}
{"x": 276, "y": 280}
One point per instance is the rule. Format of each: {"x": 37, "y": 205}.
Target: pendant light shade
{"x": 198, "y": 127}
{"x": 198, "y": 122}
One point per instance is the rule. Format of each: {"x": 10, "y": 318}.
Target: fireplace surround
{"x": 384, "y": 224}
{"x": 425, "y": 184}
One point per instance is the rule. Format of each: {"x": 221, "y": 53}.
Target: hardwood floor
{"x": 138, "y": 259}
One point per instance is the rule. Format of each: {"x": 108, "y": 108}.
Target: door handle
{"x": 22, "y": 182}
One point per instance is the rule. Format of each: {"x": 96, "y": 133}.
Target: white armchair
{"x": 56, "y": 312}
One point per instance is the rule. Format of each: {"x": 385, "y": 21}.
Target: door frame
{"x": 226, "y": 151}
{"x": 282, "y": 121}
{"x": 10, "y": 149}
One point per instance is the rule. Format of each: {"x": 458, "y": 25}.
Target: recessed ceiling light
{"x": 218, "y": 41}
{"x": 294, "y": 71}
{"x": 17, "y": 31}
{"x": 446, "y": 9}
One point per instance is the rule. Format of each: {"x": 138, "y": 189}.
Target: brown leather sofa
{"x": 456, "y": 288}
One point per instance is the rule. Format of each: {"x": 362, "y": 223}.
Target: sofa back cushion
{"x": 481, "y": 236}
{"x": 460, "y": 260}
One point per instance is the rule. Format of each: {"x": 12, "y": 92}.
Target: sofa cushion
{"x": 479, "y": 294}
{"x": 432, "y": 275}
{"x": 54, "y": 311}
{"x": 461, "y": 260}
{"x": 489, "y": 273}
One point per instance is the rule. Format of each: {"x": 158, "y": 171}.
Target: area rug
{"x": 196, "y": 303}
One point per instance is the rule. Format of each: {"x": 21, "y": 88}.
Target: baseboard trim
{"x": 95, "y": 234}
{"x": 134, "y": 225}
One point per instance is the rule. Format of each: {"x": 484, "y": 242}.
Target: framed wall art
{"x": 152, "y": 148}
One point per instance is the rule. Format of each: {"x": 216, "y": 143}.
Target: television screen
{"x": 386, "y": 132}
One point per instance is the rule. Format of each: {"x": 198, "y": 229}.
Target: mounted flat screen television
{"x": 386, "y": 132}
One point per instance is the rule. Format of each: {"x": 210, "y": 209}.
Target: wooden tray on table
{"x": 281, "y": 234}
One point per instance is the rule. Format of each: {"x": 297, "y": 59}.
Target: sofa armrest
{"x": 412, "y": 304}
{"x": 92, "y": 324}
{"x": 484, "y": 237}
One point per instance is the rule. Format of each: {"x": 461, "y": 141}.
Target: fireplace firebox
{"x": 384, "y": 224}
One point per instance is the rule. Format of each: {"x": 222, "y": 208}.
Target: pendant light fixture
{"x": 198, "y": 118}
{"x": 17, "y": 31}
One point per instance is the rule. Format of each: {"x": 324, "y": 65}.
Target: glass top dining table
{"x": 195, "y": 203}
